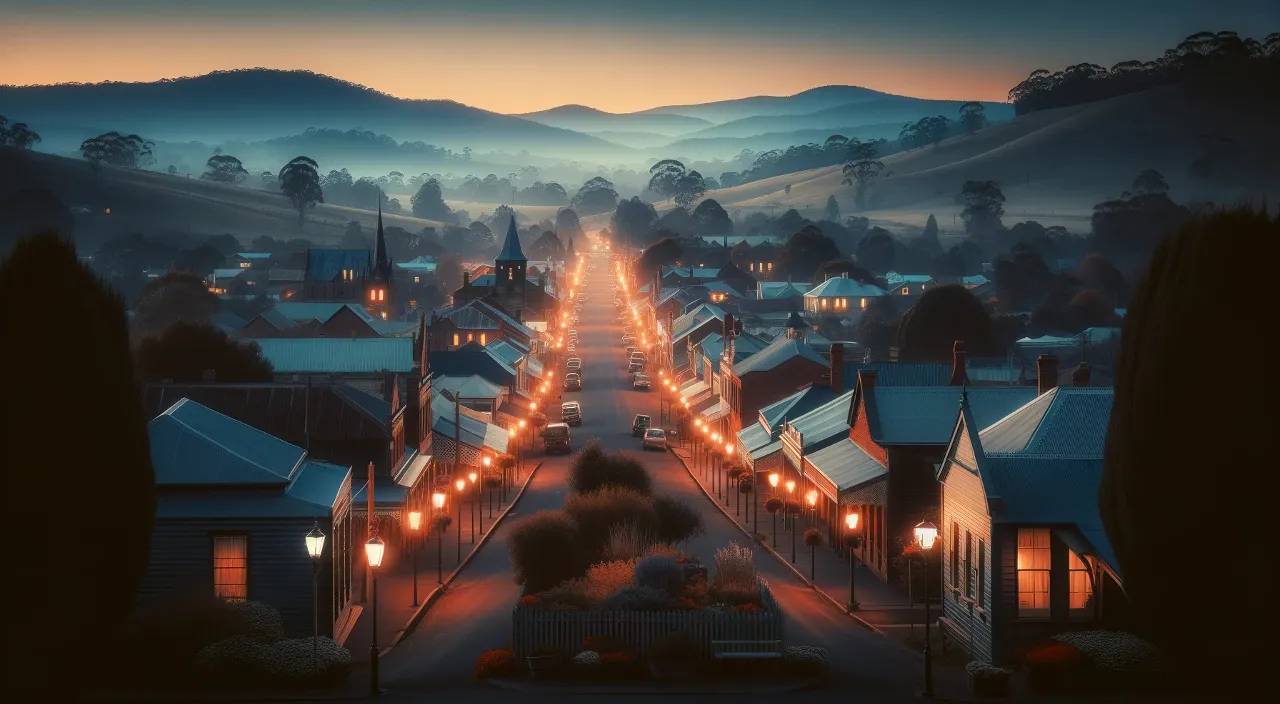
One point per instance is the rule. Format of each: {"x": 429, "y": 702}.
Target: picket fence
{"x": 533, "y": 628}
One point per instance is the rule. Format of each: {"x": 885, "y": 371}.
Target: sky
{"x": 516, "y": 56}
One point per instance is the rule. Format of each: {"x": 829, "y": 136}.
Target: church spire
{"x": 511, "y": 251}
{"x": 381, "y": 263}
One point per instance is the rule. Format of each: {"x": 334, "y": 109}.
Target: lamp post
{"x": 728, "y": 457}
{"x": 415, "y": 524}
{"x": 315, "y": 548}
{"x": 773, "y": 493}
{"x": 373, "y": 550}
{"x": 486, "y": 462}
{"x": 475, "y": 498}
{"x": 511, "y": 440}
{"x": 791, "y": 490}
{"x": 926, "y": 533}
{"x": 460, "y": 485}
{"x": 437, "y": 501}
{"x": 852, "y": 540}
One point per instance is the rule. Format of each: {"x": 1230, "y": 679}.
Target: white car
{"x": 654, "y": 439}
{"x": 640, "y": 382}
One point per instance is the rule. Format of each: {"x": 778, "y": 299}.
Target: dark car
{"x": 556, "y": 437}
{"x": 640, "y": 425}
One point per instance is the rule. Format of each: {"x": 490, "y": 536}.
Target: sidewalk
{"x": 438, "y": 562}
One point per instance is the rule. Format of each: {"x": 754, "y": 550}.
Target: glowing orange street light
{"x": 791, "y": 486}
{"x": 773, "y": 480}
{"x": 715, "y": 437}
{"x": 533, "y": 405}
{"x": 851, "y": 521}
{"x": 728, "y": 448}
{"x": 522, "y": 424}
{"x": 812, "y": 497}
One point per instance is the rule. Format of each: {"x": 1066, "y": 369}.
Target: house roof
{"x": 754, "y": 437}
{"x": 797, "y": 404}
{"x": 473, "y": 432}
{"x": 902, "y": 373}
{"x": 715, "y": 411}
{"x": 744, "y": 346}
{"x": 721, "y": 287}
{"x": 332, "y": 355}
{"x": 227, "y": 321}
{"x": 502, "y": 316}
{"x": 254, "y": 255}
{"x": 780, "y": 350}
{"x": 470, "y": 387}
{"x": 844, "y": 287}
{"x": 511, "y": 251}
{"x": 694, "y": 319}
{"x": 693, "y": 389}
{"x": 894, "y": 277}
{"x": 229, "y": 273}
{"x": 471, "y": 317}
{"x": 819, "y": 426}
{"x": 328, "y": 264}
{"x": 276, "y": 319}
{"x": 423, "y": 264}
{"x": 394, "y": 328}
{"x": 926, "y": 415}
{"x": 472, "y": 358}
{"x": 770, "y": 290}
{"x": 505, "y": 351}
{"x": 847, "y": 465}
{"x": 1066, "y": 421}
{"x": 306, "y": 310}
{"x": 282, "y": 275}
{"x": 192, "y": 445}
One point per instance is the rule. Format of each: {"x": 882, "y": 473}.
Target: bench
{"x": 722, "y": 650}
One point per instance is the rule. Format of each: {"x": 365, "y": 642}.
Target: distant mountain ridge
{"x": 812, "y": 100}
{"x": 879, "y": 110}
{"x": 588, "y": 119}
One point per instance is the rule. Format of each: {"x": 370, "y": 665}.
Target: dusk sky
{"x": 617, "y": 55}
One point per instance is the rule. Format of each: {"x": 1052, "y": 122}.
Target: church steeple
{"x": 381, "y": 262}
{"x": 511, "y": 265}
{"x": 511, "y": 251}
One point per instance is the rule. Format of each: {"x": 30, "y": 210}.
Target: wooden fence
{"x": 534, "y": 628}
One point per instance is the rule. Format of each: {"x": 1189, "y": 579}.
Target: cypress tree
{"x": 78, "y": 466}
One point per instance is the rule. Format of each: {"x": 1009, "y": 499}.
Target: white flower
{"x": 587, "y": 658}
{"x": 1115, "y": 651}
{"x": 986, "y": 669}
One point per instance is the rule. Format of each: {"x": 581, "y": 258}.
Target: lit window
{"x": 1033, "y": 572}
{"x": 373, "y": 295}
{"x": 244, "y": 265}
{"x": 906, "y": 290}
{"x": 231, "y": 567}
{"x": 1081, "y": 583}
{"x": 824, "y": 303}
{"x": 470, "y": 337}
{"x": 864, "y": 304}
{"x": 417, "y": 280}
{"x": 382, "y": 294}
{"x": 484, "y": 339}
{"x": 455, "y": 339}
{"x": 770, "y": 266}
{"x": 413, "y": 304}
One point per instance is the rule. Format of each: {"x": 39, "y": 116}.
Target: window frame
{"x": 982, "y": 573}
{"x": 1084, "y": 611}
{"x": 968, "y": 565}
{"x": 1045, "y": 573}
{"x": 214, "y": 537}
{"x": 955, "y": 558}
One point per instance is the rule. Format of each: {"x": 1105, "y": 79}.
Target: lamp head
{"x": 812, "y": 497}
{"x": 773, "y": 480}
{"x": 926, "y": 534}
{"x": 315, "y": 542}
{"x": 851, "y": 521}
{"x": 437, "y": 500}
{"x": 415, "y": 520}
{"x": 791, "y": 486}
{"x": 373, "y": 550}
{"x": 472, "y": 477}
{"x": 460, "y": 484}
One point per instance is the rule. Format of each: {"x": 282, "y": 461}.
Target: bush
{"x": 639, "y": 599}
{"x": 569, "y": 595}
{"x": 583, "y": 593}
{"x": 597, "y": 513}
{"x": 492, "y": 481}
{"x": 677, "y": 521}
{"x": 164, "y": 641}
{"x": 544, "y": 551}
{"x": 806, "y": 661}
{"x": 774, "y": 505}
{"x": 737, "y": 595}
{"x": 660, "y": 573}
{"x": 259, "y": 621}
{"x": 241, "y": 659}
{"x": 674, "y": 647}
{"x": 813, "y": 538}
{"x": 586, "y": 664}
{"x": 627, "y": 541}
{"x": 496, "y": 663}
{"x": 594, "y": 469}
{"x": 983, "y": 670}
{"x": 1115, "y": 651}
{"x": 735, "y": 568}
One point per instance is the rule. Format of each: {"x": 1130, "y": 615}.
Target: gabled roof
{"x": 470, "y": 359}
{"x": 227, "y": 321}
{"x": 254, "y": 255}
{"x": 721, "y": 287}
{"x": 332, "y": 355}
{"x": 505, "y": 351}
{"x": 194, "y": 446}
{"x": 511, "y": 251}
{"x": 895, "y": 278}
{"x": 276, "y": 319}
{"x": 926, "y": 415}
{"x": 797, "y": 404}
{"x": 472, "y": 432}
{"x": 819, "y": 426}
{"x": 847, "y": 465}
{"x": 754, "y": 437}
{"x": 695, "y": 319}
{"x": 229, "y": 273}
{"x": 471, "y": 387}
{"x": 328, "y": 264}
{"x": 744, "y": 346}
{"x": 424, "y": 264}
{"x": 394, "y": 328}
{"x": 319, "y": 310}
{"x": 502, "y": 316}
{"x": 770, "y": 290}
{"x": 902, "y": 373}
{"x": 1066, "y": 421}
{"x": 777, "y": 352}
{"x": 844, "y": 287}
{"x": 471, "y": 317}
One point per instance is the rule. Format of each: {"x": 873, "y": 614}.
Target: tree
{"x": 633, "y": 220}
{"x": 567, "y": 224}
{"x": 222, "y": 168}
{"x": 595, "y": 197}
{"x": 171, "y": 170}
{"x": 202, "y": 260}
{"x": 929, "y": 330}
{"x": 300, "y": 183}
{"x": 114, "y": 493}
{"x": 804, "y": 251}
{"x": 1149, "y": 181}
{"x": 1144, "y": 472}
{"x": 428, "y": 203}
{"x": 711, "y": 220}
{"x": 548, "y": 247}
{"x": 929, "y": 237}
{"x": 983, "y": 208}
{"x": 115, "y": 149}
{"x": 17, "y": 135}
{"x": 843, "y": 267}
{"x": 1089, "y": 309}
{"x": 671, "y": 179}
{"x": 1097, "y": 274}
{"x": 832, "y": 211}
{"x": 664, "y": 252}
{"x": 353, "y": 236}
{"x": 178, "y": 295}
{"x": 878, "y": 326}
{"x": 186, "y": 350}
{"x": 679, "y": 221}
{"x": 267, "y": 180}
{"x": 1127, "y": 230}
{"x": 876, "y": 250}
{"x": 973, "y": 117}
{"x": 923, "y": 132}
{"x": 861, "y": 167}
{"x": 1021, "y": 281}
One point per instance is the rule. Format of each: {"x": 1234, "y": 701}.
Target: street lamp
{"x": 486, "y": 462}
{"x": 791, "y": 490}
{"x": 460, "y": 485}
{"x": 373, "y": 550}
{"x": 437, "y": 501}
{"x": 472, "y": 476}
{"x": 415, "y": 523}
{"x": 852, "y": 540}
{"x": 315, "y": 548}
{"x": 812, "y": 498}
{"x": 926, "y": 533}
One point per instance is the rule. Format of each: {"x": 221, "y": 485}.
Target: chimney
{"x": 867, "y": 377}
{"x": 1047, "y": 371}
{"x": 959, "y": 372}
{"x": 466, "y": 279}
{"x": 728, "y": 325}
{"x": 1080, "y": 377}
{"x": 837, "y": 367}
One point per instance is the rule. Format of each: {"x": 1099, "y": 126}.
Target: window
{"x": 864, "y": 304}
{"x": 231, "y": 567}
{"x": 244, "y": 265}
{"x": 373, "y": 295}
{"x": 382, "y": 294}
{"x": 483, "y": 339}
{"x": 471, "y": 336}
{"x": 982, "y": 574}
{"x": 955, "y": 556}
{"x": 824, "y": 303}
{"x": 1033, "y": 573}
{"x": 906, "y": 290}
{"x": 770, "y": 266}
{"x": 417, "y": 279}
{"x": 968, "y": 564}
{"x": 455, "y": 339}
{"x": 1081, "y": 585}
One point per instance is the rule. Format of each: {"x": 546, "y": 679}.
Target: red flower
{"x": 492, "y": 663}
{"x": 1055, "y": 653}
{"x": 530, "y": 600}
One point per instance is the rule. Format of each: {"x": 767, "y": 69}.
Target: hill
{"x": 584, "y": 119}
{"x": 729, "y": 147}
{"x": 880, "y": 110}
{"x": 1054, "y": 165}
{"x": 635, "y": 140}
{"x": 260, "y": 104}
{"x": 154, "y": 203}
{"x": 811, "y": 100}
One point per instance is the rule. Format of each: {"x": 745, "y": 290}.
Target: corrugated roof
{"x": 394, "y": 328}
{"x": 469, "y": 387}
{"x": 192, "y": 445}
{"x": 277, "y": 320}
{"x": 331, "y": 355}
{"x": 505, "y": 351}
{"x": 328, "y": 264}
{"x": 902, "y": 373}
{"x": 721, "y": 287}
{"x": 254, "y": 255}
{"x": 760, "y": 453}
{"x": 474, "y": 433}
{"x": 894, "y": 277}
{"x": 754, "y": 437}
{"x": 797, "y": 404}
{"x": 694, "y": 387}
{"x": 229, "y": 273}
{"x": 718, "y": 410}
{"x": 780, "y": 350}
{"x": 281, "y": 275}
{"x": 847, "y": 465}
{"x": 306, "y": 310}
{"x": 470, "y": 359}
{"x": 471, "y": 318}
{"x": 377, "y": 409}
{"x": 927, "y": 415}
{"x": 825, "y": 422}
{"x": 501, "y": 315}
{"x": 318, "y": 483}
{"x": 772, "y": 290}
{"x": 695, "y": 319}
{"x": 1066, "y": 421}
{"x": 843, "y": 287}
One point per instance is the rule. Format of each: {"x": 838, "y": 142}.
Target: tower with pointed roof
{"x": 510, "y": 277}
{"x": 378, "y": 293}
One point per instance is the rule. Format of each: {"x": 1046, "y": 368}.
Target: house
{"x": 908, "y": 284}
{"x": 759, "y": 444}
{"x": 839, "y": 295}
{"x": 352, "y": 275}
{"x": 417, "y": 269}
{"x": 452, "y": 328}
{"x": 233, "y": 508}
{"x": 688, "y": 330}
{"x": 510, "y": 287}
{"x": 774, "y": 372}
{"x": 363, "y": 362}
{"x": 461, "y": 437}
{"x": 250, "y": 260}
{"x": 721, "y": 292}
{"x": 775, "y": 290}
{"x": 529, "y": 370}
{"x": 223, "y": 281}
{"x": 1024, "y": 552}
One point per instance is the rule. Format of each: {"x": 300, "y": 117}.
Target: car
{"x": 572, "y": 381}
{"x": 635, "y": 366}
{"x": 654, "y": 439}
{"x": 640, "y": 382}
{"x": 631, "y": 351}
{"x": 556, "y": 437}
{"x": 573, "y": 364}
{"x": 639, "y": 425}
{"x": 571, "y": 413}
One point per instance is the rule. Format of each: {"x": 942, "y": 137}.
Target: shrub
{"x": 164, "y": 641}
{"x": 627, "y": 541}
{"x": 495, "y": 663}
{"x": 594, "y": 469}
{"x": 813, "y": 538}
{"x": 1115, "y": 651}
{"x": 1055, "y": 654}
{"x": 735, "y": 567}
{"x": 569, "y": 595}
{"x": 605, "y": 578}
{"x": 674, "y": 647}
{"x": 806, "y": 661}
{"x": 677, "y": 521}
{"x": 586, "y": 664}
{"x": 259, "y": 621}
{"x": 492, "y": 481}
{"x": 774, "y": 505}
{"x": 235, "y": 658}
{"x": 596, "y": 513}
{"x": 661, "y": 573}
{"x": 746, "y": 486}
{"x": 983, "y": 670}
{"x": 638, "y": 599}
{"x": 293, "y": 661}
{"x": 697, "y": 591}
{"x": 737, "y": 595}
{"x": 544, "y": 551}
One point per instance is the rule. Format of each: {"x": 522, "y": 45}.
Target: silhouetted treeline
{"x": 1204, "y": 55}
{"x": 776, "y": 162}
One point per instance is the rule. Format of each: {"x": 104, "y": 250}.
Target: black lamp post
{"x": 773, "y": 494}
{"x": 475, "y": 499}
{"x": 437, "y": 500}
{"x": 315, "y": 548}
{"x": 791, "y": 490}
{"x": 373, "y": 550}
{"x": 415, "y": 524}
{"x": 461, "y": 485}
{"x": 852, "y": 540}
{"x": 926, "y": 534}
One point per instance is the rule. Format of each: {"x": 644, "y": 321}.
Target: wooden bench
{"x": 722, "y": 650}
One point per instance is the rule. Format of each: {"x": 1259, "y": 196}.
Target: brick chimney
{"x": 1080, "y": 377}
{"x": 837, "y": 367}
{"x": 1047, "y": 372}
{"x": 959, "y": 370}
{"x": 466, "y": 279}
{"x": 727, "y": 330}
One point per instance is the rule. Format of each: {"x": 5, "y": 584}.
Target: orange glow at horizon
{"x": 499, "y": 69}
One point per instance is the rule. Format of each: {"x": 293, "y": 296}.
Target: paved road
{"x": 476, "y": 612}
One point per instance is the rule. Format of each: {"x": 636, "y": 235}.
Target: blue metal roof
{"x": 254, "y": 255}
{"x": 394, "y": 328}
{"x": 322, "y": 311}
{"x": 694, "y": 319}
{"x": 770, "y": 290}
{"x": 844, "y": 288}
{"x": 378, "y": 409}
{"x": 474, "y": 433}
{"x": 797, "y": 404}
{"x": 754, "y": 437}
{"x": 328, "y": 264}
{"x": 780, "y": 350}
{"x": 1066, "y": 421}
{"x": 318, "y": 483}
{"x": 277, "y": 320}
{"x": 504, "y": 351}
{"x": 511, "y": 251}
{"x": 192, "y": 445}
{"x": 471, "y": 318}
{"x": 470, "y": 387}
{"x": 847, "y": 465}
{"x": 826, "y": 422}
{"x": 470, "y": 359}
{"x": 333, "y": 355}
{"x": 229, "y": 273}
{"x": 902, "y": 373}
{"x": 493, "y": 310}
{"x": 927, "y": 415}
{"x": 721, "y": 287}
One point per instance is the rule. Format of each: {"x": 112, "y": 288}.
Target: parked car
{"x": 556, "y": 437}
{"x": 635, "y": 366}
{"x": 639, "y": 425}
{"x": 572, "y": 381}
{"x": 640, "y": 382}
{"x": 654, "y": 439}
{"x": 573, "y": 364}
{"x": 628, "y": 339}
{"x": 571, "y": 413}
